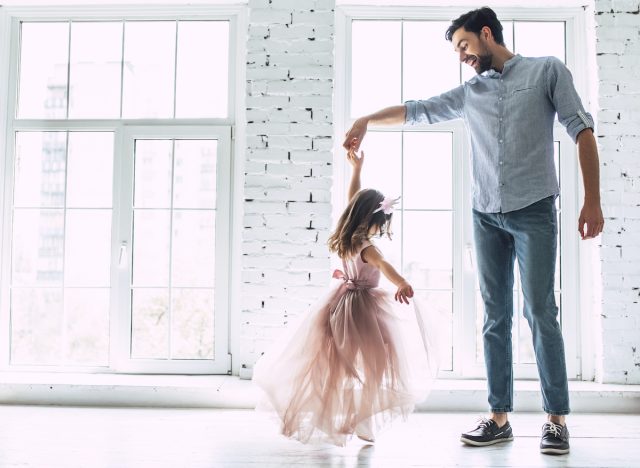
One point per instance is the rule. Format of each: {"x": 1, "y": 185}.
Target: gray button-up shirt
{"x": 509, "y": 117}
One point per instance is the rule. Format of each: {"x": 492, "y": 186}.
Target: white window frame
{"x": 576, "y": 332}
{"x": 124, "y": 130}
{"x": 123, "y": 230}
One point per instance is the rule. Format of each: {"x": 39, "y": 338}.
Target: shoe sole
{"x": 554, "y": 451}
{"x": 475, "y": 443}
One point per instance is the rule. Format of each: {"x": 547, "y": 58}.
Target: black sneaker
{"x": 488, "y": 433}
{"x": 555, "y": 439}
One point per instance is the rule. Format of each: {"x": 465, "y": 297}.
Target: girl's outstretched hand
{"x": 353, "y": 158}
{"x": 404, "y": 292}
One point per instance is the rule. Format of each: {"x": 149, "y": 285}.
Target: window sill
{"x": 221, "y": 391}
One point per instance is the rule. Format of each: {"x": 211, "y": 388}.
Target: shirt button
{"x": 500, "y": 141}
{"x": 500, "y": 163}
{"x": 500, "y": 99}
{"x": 500, "y": 119}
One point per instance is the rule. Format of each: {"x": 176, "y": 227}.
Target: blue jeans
{"x": 528, "y": 235}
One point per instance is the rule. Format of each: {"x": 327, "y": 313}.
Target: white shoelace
{"x": 553, "y": 428}
{"x": 484, "y": 422}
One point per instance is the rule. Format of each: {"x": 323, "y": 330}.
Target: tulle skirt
{"x": 356, "y": 360}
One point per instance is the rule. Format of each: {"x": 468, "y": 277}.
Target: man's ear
{"x": 486, "y": 33}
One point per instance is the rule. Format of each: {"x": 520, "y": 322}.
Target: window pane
{"x": 90, "y": 170}
{"x": 151, "y": 247}
{"x": 150, "y": 323}
{"x": 36, "y": 326}
{"x": 428, "y": 249}
{"x": 524, "y": 341}
{"x": 420, "y": 80}
{"x": 194, "y": 184}
{"x": 153, "y": 173}
{"x": 375, "y": 65}
{"x": 87, "y": 256}
{"x": 440, "y": 307}
{"x": 428, "y": 166}
{"x": 40, "y": 169}
{"x": 540, "y": 39}
{"x": 202, "y": 84}
{"x": 44, "y": 54}
{"x": 96, "y": 68}
{"x": 193, "y": 248}
{"x": 192, "y": 324}
{"x": 87, "y": 326}
{"x": 37, "y": 249}
{"x": 149, "y": 69}
{"x": 383, "y": 165}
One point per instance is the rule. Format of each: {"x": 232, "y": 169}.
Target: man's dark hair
{"x": 474, "y": 21}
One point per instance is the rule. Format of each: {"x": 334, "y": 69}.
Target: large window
{"x": 391, "y": 57}
{"x": 117, "y": 194}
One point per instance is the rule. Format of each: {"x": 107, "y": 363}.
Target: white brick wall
{"x": 288, "y": 165}
{"x": 618, "y": 59}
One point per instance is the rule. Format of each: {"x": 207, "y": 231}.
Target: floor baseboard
{"x": 233, "y": 393}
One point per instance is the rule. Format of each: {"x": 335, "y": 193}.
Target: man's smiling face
{"x": 472, "y": 49}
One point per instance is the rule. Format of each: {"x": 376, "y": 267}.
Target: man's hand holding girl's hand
{"x": 355, "y": 134}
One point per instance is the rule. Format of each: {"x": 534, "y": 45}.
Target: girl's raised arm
{"x": 356, "y": 162}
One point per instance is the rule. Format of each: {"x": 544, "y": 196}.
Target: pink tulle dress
{"x": 355, "y": 362}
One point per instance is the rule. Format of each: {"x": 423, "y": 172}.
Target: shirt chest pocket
{"x": 525, "y": 94}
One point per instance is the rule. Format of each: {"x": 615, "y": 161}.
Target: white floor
{"x": 69, "y": 437}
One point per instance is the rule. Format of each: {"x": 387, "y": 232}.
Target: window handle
{"x": 468, "y": 260}
{"x": 122, "y": 260}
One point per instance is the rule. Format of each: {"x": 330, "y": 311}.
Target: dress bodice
{"x": 357, "y": 273}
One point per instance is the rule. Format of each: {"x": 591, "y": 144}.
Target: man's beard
{"x": 483, "y": 63}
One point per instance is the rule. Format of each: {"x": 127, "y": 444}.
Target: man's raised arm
{"x": 393, "y": 115}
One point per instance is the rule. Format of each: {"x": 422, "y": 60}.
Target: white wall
{"x": 287, "y": 187}
{"x": 618, "y": 130}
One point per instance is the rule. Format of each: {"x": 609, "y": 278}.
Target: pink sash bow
{"x": 350, "y": 283}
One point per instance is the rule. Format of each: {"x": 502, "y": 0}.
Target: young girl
{"x": 346, "y": 368}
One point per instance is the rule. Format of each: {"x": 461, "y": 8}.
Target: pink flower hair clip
{"x": 386, "y": 205}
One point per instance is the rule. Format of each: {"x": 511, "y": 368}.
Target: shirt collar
{"x": 507, "y": 65}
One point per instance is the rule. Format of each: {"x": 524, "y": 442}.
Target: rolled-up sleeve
{"x": 566, "y": 101}
{"x": 447, "y": 106}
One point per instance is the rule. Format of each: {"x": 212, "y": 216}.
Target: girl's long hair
{"x": 357, "y": 221}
